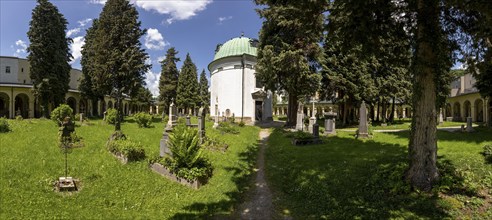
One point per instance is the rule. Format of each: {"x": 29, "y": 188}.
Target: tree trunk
{"x": 345, "y": 113}
{"x": 117, "y": 126}
{"x": 292, "y": 110}
{"x": 384, "y": 110}
{"x": 377, "y": 113}
{"x": 372, "y": 113}
{"x": 423, "y": 173}
{"x": 44, "y": 108}
{"x": 392, "y": 115}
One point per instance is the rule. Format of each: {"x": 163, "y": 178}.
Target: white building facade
{"x": 234, "y": 90}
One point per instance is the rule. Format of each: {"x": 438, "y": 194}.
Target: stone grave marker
{"x": 188, "y": 120}
{"x": 173, "y": 118}
{"x": 216, "y": 122}
{"x": 330, "y": 122}
{"x": 164, "y": 149}
{"x": 469, "y": 127}
{"x": 316, "y": 131}
{"x": 363, "y": 131}
{"x": 300, "y": 118}
{"x": 441, "y": 118}
{"x": 201, "y": 124}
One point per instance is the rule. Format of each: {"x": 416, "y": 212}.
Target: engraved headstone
{"x": 330, "y": 122}
{"x": 469, "y": 127}
{"x": 300, "y": 118}
{"x": 363, "y": 131}
{"x": 316, "y": 131}
{"x": 164, "y": 149}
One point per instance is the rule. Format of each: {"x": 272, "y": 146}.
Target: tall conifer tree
{"x": 289, "y": 50}
{"x": 49, "y": 55}
{"x": 203, "y": 90}
{"x": 187, "y": 92}
{"x": 119, "y": 61}
{"x": 168, "y": 82}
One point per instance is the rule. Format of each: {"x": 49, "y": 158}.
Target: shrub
{"x": 241, "y": 124}
{"x": 19, "y": 118}
{"x": 58, "y": 114}
{"x": 300, "y": 135}
{"x": 4, "y": 125}
{"x": 143, "y": 119}
{"x": 214, "y": 143}
{"x": 131, "y": 150}
{"x": 227, "y": 127}
{"x": 187, "y": 160}
{"x": 165, "y": 119}
{"x": 111, "y": 116}
{"x": 487, "y": 153}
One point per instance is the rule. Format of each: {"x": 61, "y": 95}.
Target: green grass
{"x": 345, "y": 178}
{"x": 30, "y": 162}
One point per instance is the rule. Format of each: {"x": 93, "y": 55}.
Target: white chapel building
{"x": 234, "y": 88}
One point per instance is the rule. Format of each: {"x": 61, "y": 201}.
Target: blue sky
{"x": 191, "y": 26}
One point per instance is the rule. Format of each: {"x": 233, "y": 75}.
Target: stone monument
{"x": 300, "y": 118}
{"x": 188, "y": 120}
{"x": 315, "y": 131}
{"x": 363, "y": 131}
{"x": 173, "y": 118}
{"x": 330, "y": 122}
{"x": 312, "y": 120}
{"x": 469, "y": 127}
{"x": 216, "y": 122}
{"x": 201, "y": 124}
{"x": 164, "y": 149}
{"x": 441, "y": 118}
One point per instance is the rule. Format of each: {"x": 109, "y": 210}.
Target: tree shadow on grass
{"x": 481, "y": 134}
{"x": 242, "y": 176}
{"x": 345, "y": 178}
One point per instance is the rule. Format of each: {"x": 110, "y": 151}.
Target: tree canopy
{"x": 204, "y": 94}
{"x": 187, "y": 91}
{"x": 168, "y": 82}
{"x": 118, "y": 60}
{"x": 49, "y": 55}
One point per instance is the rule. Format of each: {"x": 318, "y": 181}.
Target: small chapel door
{"x": 258, "y": 110}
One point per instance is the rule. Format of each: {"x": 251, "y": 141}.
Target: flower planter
{"x": 310, "y": 141}
{"x": 160, "y": 169}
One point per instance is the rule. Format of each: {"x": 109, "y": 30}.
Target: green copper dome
{"x": 236, "y": 47}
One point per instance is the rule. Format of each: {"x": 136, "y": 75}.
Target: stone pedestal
{"x": 469, "y": 127}
{"x": 66, "y": 184}
{"x": 363, "y": 130}
{"x": 312, "y": 121}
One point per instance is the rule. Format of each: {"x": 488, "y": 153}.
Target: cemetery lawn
{"x": 30, "y": 162}
{"x": 345, "y": 178}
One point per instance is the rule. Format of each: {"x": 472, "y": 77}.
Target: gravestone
{"x": 330, "y": 122}
{"x": 363, "y": 131}
{"x": 300, "y": 118}
{"x": 188, "y": 120}
{"x": 81, "y": 119}
{"x": 449, "y": 118}
{"x": 312, "y": 122}
{"x": 316, "y": 131}
{"x": 216, "y": 122}
{"x": 173, "y": 118}
{"x": 469, "y": 127}
{"x": 164, "y": 149}
{"x": 201, "y": 124}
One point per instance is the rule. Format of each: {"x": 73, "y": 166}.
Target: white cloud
{"x": 159, "y": 59}
{"x": 21, "y": 48}
{"x": 102, "y": 2}
{"x": 73, "y": 32}
{"x": 76, "y": 48}
{"x": 177, "y": 9}
{"x": 222, "y": 19}
{"x": 154, "y": 40}
{"x": 152, "y": 81}
{"x": 84, "y": 22}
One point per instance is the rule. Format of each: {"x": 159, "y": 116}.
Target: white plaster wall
{"x": 75, "y": 75}
{"x": 11, "y": 77}
{"x": 226, "y": 86}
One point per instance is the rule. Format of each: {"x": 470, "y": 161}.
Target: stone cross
{"x": 201, "y": 124}
{"x": 363, "y": 132}
{"x": 300, "y": 118}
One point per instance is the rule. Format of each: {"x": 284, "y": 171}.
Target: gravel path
{"x": 258, "y": 204}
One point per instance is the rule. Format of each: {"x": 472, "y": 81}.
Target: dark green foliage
{"x": 168, "y": 82}
{"x": 144, "y": 120}
{"x": 118, "y": 60}
{"x": 86, "y": 86}
{"x": 241, "y": 124}
{"x": 212, "y": 142}
{"x": 187, "y": 91}
{"x": 204, "y": 94}
{"x": 49, "y": 55}
{"x": 228, "y": 127}
{"x": 19, "y": 118}
{"x": 111, "y": 116}
{"x": 130, "y": 149}
{"x": 143, "y": 98}
{"x": 487, "y": 153}
{"x": 59, "y": 113}
{"x": 289, "y": 52}
{"x": 187, "y": 160}
{"x": 4, "y": 125}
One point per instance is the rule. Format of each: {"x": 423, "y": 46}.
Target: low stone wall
{"x": 158, "y": 168}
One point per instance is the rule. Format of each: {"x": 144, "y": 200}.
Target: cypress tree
{"x": 289, "y": 52}
{"x": 168, "y": 82}
{"x": 119, "y": 61}
{"x": 187, "y": 92}
{"x": 204, "y": 93}
{"x": 49, "y": 55}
